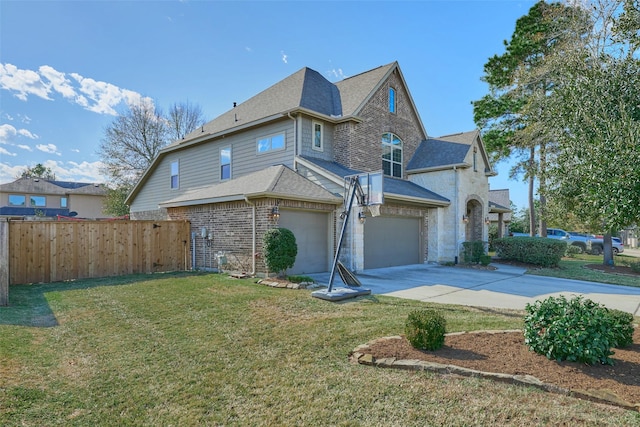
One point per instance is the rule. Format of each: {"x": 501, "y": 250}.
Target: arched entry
{"x": 474, "y": 227}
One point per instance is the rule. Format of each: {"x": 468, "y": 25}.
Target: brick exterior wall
{"x": 358, "y": 145}
{"x": 231, "y": 228}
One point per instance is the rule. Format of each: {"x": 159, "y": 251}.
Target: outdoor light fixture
{"x": 362, "y": 217}
{"x": 465, "y": 218}
{"x": 275, "y": 213}
{"x": 487, "y": 221}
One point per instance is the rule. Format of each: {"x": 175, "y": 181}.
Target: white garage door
{"x": 390, "y": 241}
{"x": 312, "y": 237}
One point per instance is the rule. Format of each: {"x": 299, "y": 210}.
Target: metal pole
{"x": 355, "y": 184}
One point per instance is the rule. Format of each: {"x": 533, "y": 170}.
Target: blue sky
{"x": 68, "y": 67}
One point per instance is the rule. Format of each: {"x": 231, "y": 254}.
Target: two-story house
{"x": 43, "y": 198}
{"x": 280, "y": 159}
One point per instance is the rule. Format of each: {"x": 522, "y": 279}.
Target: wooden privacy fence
{"x": 50, "y": 251}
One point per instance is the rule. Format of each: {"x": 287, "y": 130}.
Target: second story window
{"x": 63, "y": 202}
{"x": 392, "y": 100}
{"x": 175, "y": 172}
{"x": 225, "y": 163}
{"x": 38, "y": 201}
{"x": 271, "y": 143}
{"x": 317, "y": 136}
{"x": 391, "y": 155}
{"x": 17, "y": 200}
{"x": 475, "y": 159}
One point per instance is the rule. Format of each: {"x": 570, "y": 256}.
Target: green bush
{"x": 485, "y": 260}
{"x": 280, "y": 249}
{"x": 572, "y": 251}
{"x": 425, "y": 329}
{"x": 577, "y": 330}
{"x": 532, "y": 250}
{"x": 622, "y": 327}
{"x": 472, "y": 251}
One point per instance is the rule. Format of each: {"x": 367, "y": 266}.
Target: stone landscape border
{"x": 362, "y": 355}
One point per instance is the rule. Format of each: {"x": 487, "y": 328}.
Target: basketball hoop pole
{"x": 354, "y": 185}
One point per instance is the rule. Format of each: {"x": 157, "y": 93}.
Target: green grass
{"x": 573, "y": 268}
{"x": 204, "y": 349}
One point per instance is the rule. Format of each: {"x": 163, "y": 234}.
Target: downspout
{"x": 456, "y": 222}
{"x": 296, "y": 148}
{"x": 253, "y": 235}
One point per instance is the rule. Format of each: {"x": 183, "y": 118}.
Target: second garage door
{"x": 390, "y": 241}
{"x": 312, "y": 237}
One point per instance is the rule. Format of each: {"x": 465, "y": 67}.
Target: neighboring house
{"x": 43, "y": 198}
{"x": 500, "y": 211}
{"x": 281, "y": 157}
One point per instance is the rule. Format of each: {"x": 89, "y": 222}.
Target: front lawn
{"x": 204, "y": 349}
{"x": 574, "y": 268}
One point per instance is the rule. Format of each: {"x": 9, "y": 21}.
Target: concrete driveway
{"x": 507, "y": 287}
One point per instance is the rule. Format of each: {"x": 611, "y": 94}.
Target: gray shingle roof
{"x": 436, "y": 152}
{"x": 306, "y": 89}
{"x": 275, "y": 181}
{"x": 46, "y": 186}
{"x": 391, "y": 186}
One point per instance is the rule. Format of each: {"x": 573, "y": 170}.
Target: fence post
{"x": 4, "y": 262}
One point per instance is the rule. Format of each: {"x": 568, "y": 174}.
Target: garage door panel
{"x": 391, "y": 241}
{"x": 311, "y": 230}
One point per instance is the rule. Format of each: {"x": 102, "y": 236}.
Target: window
{"x": 175, "y": 172}
{"x": 63, "y": 202}
{"x": 271, "y": 143}
{"x": 225, "y": 163}
{"x": 391, "y": 155}
{"x": 17, "y": 200}
{"x": 317, "y": 136}
{"x": 475, "y": 159}
{"x": 392, "y": 100}
{"x": 38, "y": 201}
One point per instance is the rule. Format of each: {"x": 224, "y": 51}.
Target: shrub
{"x": 425, "y": 329}
{"x": 572, "y": 251}
{"x": 635, "y": 266}
{"x": 280, "y": 249}
{"x": 622, "y": 328}
{"x": 577, "y": 330}
{"x": 532, "y": 250}
{"x": 472, "y": 251}
{"x": 485, "y": 260}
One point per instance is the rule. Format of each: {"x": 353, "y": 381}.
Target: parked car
{"x": 575, "y": 239}
{"x": 596, "y": 246}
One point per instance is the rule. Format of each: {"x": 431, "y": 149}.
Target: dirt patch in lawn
{"x": 506, "y": 353}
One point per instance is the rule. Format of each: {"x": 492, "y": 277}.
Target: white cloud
{"x": 7, "y": 132}
{"x": 27, "y": 134}
{"x": 336, "y": 73}
{"x": 24, "y": 82}
{"x": 7, "y": 153}
{"x": 24, "y": 147}
{"x": 75, "y": 150}
{"x": 284, "y": 57}
{"x": 48, "y": 148}
{"x": 78, "y": 172}
{"x": 93, "y": 95}
{"x": 9, "y": 173}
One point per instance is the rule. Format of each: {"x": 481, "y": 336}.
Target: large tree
{"x": 593, "y": 114}
{"x": 38, "y": 171}
{"x": 515, "y": 78}
{"x": 133, "y": 140}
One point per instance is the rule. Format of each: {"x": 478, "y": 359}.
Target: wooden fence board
{"x": 50, "y": 251}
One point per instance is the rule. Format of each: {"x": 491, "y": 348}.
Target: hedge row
{"x": 532, "y": 250}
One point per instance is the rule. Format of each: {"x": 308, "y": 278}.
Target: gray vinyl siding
{"x": 307, "y": 139}
{"x": 200, "y": 164}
